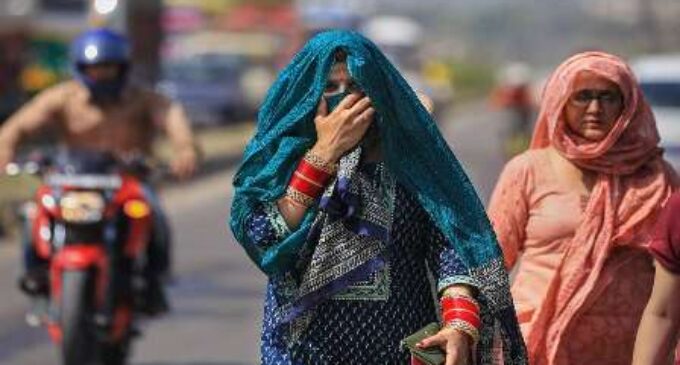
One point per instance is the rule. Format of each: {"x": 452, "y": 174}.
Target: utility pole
{"x": 649, "y": 26}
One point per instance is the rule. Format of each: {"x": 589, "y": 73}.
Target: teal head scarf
{"x": 413, "y": 149}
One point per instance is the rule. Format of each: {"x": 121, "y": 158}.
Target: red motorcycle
{"x": 91, "y": 223}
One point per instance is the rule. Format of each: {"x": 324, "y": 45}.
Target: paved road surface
{"x": 217, "y": 297}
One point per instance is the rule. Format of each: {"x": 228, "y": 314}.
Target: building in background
{"x": 656, "y": 21}
{"x": 220, "y": 56}
{"x": 35, "y": 37}
{"x": 33, "y": 42}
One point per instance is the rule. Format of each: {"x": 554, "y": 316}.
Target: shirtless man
{"x": 99, "y": 111}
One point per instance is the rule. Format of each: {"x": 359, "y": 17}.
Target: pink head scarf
{"x": 633, "y": 140}
{"x": 633, "y": 183}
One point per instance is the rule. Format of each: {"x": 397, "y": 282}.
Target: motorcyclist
{"x": 513, "y": 94}
{"x": 100, "y": 110}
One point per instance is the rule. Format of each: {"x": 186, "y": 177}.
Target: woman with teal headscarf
{"x": 350, "y": 269}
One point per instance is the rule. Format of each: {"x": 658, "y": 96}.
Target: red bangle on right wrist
{"x": 309, "y": 179}
{"x": 313, "y": 173}
{"x": 320, "y": 163}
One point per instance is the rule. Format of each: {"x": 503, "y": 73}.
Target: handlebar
{"x": 135, "y": 164}
{"x": 16, "y": 168}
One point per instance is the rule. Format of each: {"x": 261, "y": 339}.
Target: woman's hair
{"x": 340, "y": 55}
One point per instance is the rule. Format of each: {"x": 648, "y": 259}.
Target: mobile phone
{"x": 431, "y": 355}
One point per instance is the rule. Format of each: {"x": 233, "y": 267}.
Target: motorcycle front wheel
{"x": 76, "y": 309}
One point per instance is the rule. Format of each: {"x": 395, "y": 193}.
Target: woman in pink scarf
{"x": 574, "y": 214}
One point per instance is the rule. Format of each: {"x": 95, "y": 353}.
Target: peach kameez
{"x": 583, "y": 275}
{"x": 538, "y": 226}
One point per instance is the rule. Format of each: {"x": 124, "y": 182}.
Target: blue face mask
{"x": 372, "y": 134}
{"x": 104, "y": 91}
{"x": 333, "y": 100}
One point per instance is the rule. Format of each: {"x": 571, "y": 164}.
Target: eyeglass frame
{"x": 608, "y": 98}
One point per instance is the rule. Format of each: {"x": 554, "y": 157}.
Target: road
{"x": 217, "y": 297}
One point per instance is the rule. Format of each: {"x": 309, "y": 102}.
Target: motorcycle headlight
{"x": 82, "y": 207}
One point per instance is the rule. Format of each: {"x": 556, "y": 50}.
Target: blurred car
{"x": 401, "y": 39}
{"x": 219, "y": 77}
{"x": 659, "y": 77}
{"x": 209, "y": 87}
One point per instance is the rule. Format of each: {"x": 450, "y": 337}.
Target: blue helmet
{"x": 101, "y": 46}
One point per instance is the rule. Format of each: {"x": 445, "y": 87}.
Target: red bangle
{"x": 320, "y": 164}
{"x": 468, "y": 317}
{"x": 455, "y": 313}
{"x": 305, "y": 187}
{"x": 299, "y": 198}
{"x": 466, "y": 328}
{"x": 455, "y": 310}
{"x": 459, "y": 302}
{"x": 298, "y": 175}
{"x": 313, "y": 173}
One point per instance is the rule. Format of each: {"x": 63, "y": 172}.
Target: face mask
{"x": 104, "y": 90}
{"x": 335, "y": 91}
{"x": 332, "y": 101}
{"x": 334, "y": 95}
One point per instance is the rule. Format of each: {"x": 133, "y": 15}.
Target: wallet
{"x": 430, "y": 355}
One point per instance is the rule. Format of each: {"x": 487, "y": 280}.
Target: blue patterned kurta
{"x": 365, "y": 323}
{"x": 285, "y": 131}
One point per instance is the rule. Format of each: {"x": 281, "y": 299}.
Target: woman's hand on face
{"x": 456, "y": 344}
{"x": 342, "y": 129}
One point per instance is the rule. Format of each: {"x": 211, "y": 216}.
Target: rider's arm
{"x": 36, "y": 114}
{"x": 176, "y": 125}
